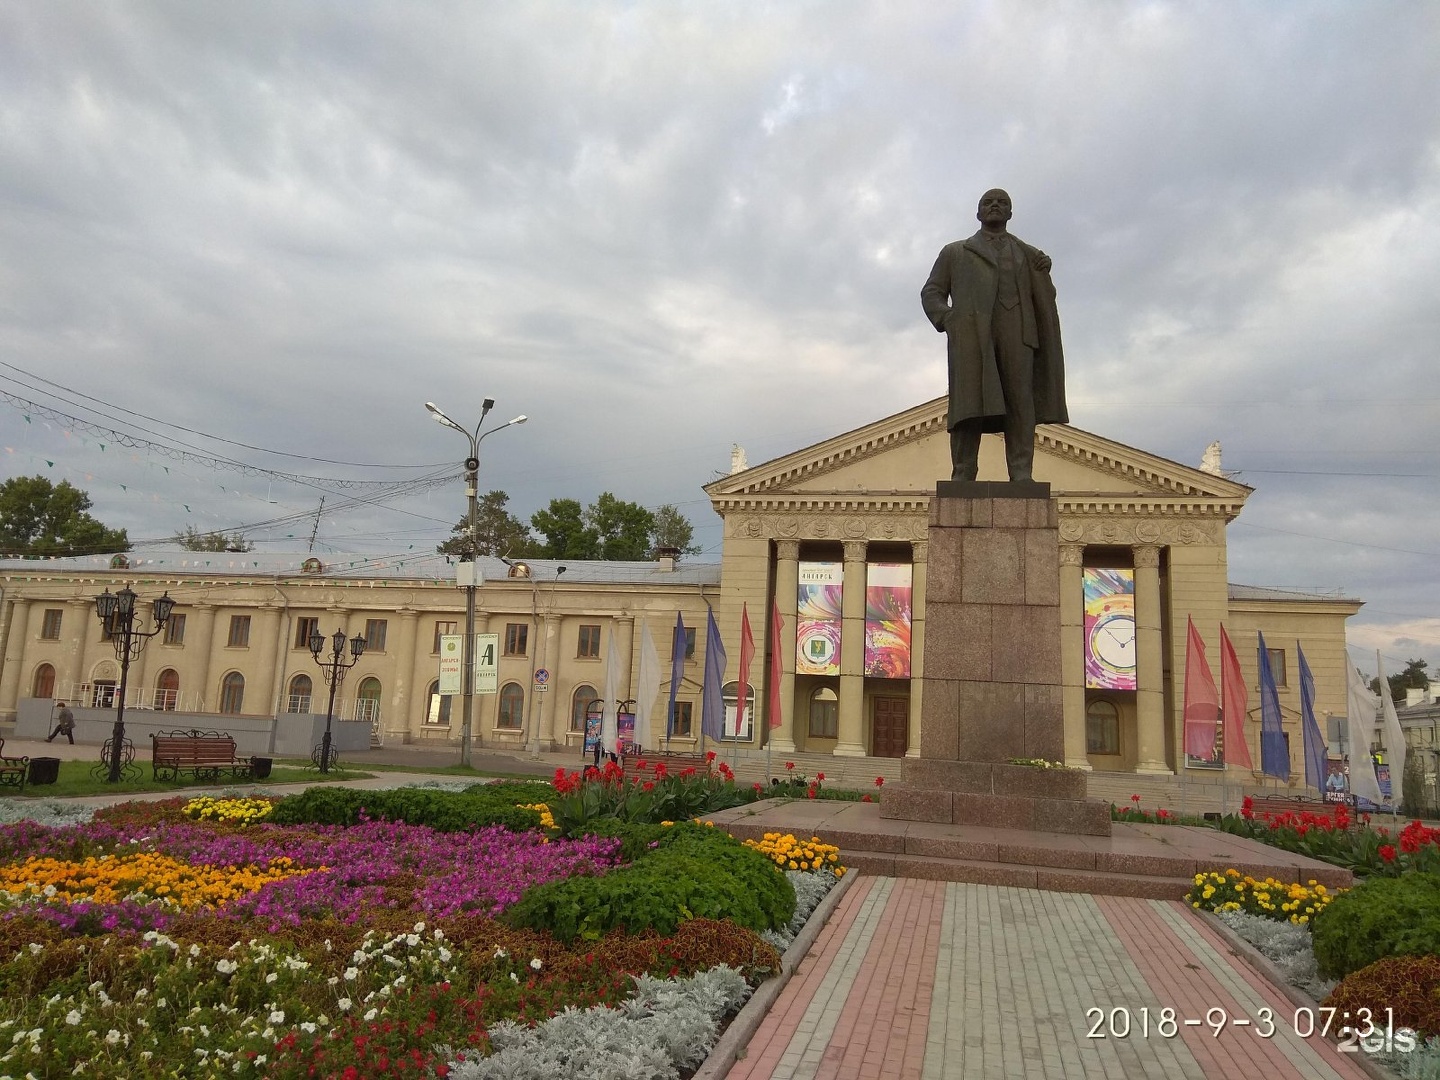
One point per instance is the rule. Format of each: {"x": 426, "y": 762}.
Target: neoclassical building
{"x": 832, "y": 536}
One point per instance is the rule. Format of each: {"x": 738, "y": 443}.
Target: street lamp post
{"x": 334, "y": 670}
{"x": 117, "y": 613}
{"x": 472, "y": 481}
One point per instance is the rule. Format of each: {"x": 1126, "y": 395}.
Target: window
{"x": 175, "y": 630}
{"x": 44, "y": 685}
{"x": 239, "y": 633}
{"x": 375, "y": 634}
{"x": 517, "y": 635}
{"x": 512, "y": 707}
{"x": 1102, "y": 728}
{"x": 439, "y": 710}
{"x": 579, "y": 705}
{"x": 367, "y": 700}
{"x": 680, "y": 719}
{"x": 297, "y": 699}
{"x": 232, "y": 689}
{"x": 50, "y": 626}
{"x": 441, "y": 629}
{"x": 589, "y": 642}
{"x": 304, "y": 627}
{"x": 167, "y": 690}
{"x": 1277, "y": 666}
{"x": 690, "y": 643}
{"x": 824, "y": 713}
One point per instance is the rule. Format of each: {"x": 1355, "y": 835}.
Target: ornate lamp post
{"x": 472, "y": 481}
{"x": 117, "y": 613}
{"x": 334, "y": 670}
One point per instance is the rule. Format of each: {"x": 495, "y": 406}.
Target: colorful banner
{"x": 1109, "y": 629}
{"x": 818, "y": 618}
{"x": 887, "y": 620}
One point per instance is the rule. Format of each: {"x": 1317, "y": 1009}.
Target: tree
{"x": 567, "y": 536}
{"x": 498, "y": 532}
{"x": 622, "y": 529}
{"x": 672, "y": 529}
{"x": 41, "y": 518}
{"x": 192, "y": 539}
{"x": 1414, "y": 677}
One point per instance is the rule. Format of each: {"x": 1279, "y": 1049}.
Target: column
{"x": 15, "y": 639}
{"x": 919, "y": 559}
{"x": 1072, "y": 653}
{"x": 625, "y": 652}
{"x": 80, "y": 614}
{"x": 200, "y": 636}
{"x": 401, "y": 713}
{"x": 1149, "y": 664}
{"x": 787, "y": 587}
{"x": 545, "y": 733}
{"x": 263, "y": 641}
{"x": 852, "y": 654}
{"x": 424, "y": 669}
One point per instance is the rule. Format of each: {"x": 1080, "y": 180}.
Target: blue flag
{"x": 1274, "y": 757}
{"x": 712, "y": 714}
{"x": 1315, "y": 749}
{"x": 677, "y": 671}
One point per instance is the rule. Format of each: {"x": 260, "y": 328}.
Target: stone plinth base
{"x": 995, "y": 794}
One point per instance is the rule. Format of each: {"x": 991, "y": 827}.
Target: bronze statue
{"x": 993, "y": 297}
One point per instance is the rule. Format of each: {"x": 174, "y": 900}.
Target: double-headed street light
{"x": 334, "y": 669}
{"x": 117, "y": 613}
{"x": 472, "y": 481}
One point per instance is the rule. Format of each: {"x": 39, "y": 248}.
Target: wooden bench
{"x": 205, "y": 754}
{"x": 1290, "y": 804}
{"x": 13, "y": 770}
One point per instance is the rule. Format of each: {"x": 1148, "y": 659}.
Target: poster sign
{"x": 1337, "y": 781}
{"x": 487, "y": 663}
{"x": 452, "y": 663}
{"x": 818, "y": 618}
{"x": 1109, "y": 629}
{"x": 887, "y": 620}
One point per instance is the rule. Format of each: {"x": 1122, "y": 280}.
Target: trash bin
{"x": 44, "y": 770}
{"x": 262, "y": 766}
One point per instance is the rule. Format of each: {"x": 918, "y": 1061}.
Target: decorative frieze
{"x": 797, "y": 527}
{"x": 1113, "y": 533}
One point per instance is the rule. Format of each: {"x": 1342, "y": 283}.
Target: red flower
{"x": 879, "y": 781}
{"x": 757, "y": 785}
{"x": 1247, "y": 807}
{"x": 1162, "y": 813}
{"x": 709, "y": 756}
{"x": 1134, "y": 798}
{"x": 819, "y": 776}
{"x": 789, "y": 765}
{"x": 649, "y": 785}
{"x": 866, "y": 798}
{"x": 1387, "y": 852}
{"x": 810, "y": 792}
{"x": 642, "y": 764}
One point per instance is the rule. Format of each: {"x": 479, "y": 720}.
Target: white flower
{"x": 412, "y": 940}
{"x": 259, "y": 1059}
{"x": 226, "y": 967}
{"x": 308, "y": 1028}
{"x": 372, "y": 1014}
{"x": 112, "y": 1036}
{"x": 514, "y": 977}
{"x": 419, "y": 928}
{"x": 36, "y": 950}
{"x": 536, "y": 964}
{"x": 160, "y": 1003}
{"x": 351, "y": 974}
{"x": 73, "y": 1017}
{"x": 271, "y": 977}
{"x": 500, "y": 953}
{"x": 277, "y": 1016}
{"x": 445, "y": 955}
{"x": 344, "y": 1004}
{"x": 194, "y": 950}
{"x": 333, "y": 980}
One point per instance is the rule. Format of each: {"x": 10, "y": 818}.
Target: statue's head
{"x": 994, "y": 207}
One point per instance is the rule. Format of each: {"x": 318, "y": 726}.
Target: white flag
{"x": 1360, "y": 720}
{"x": 1394, "y": 737}
{"x": 648, "y": 688}
{"x": 608, "y": 724}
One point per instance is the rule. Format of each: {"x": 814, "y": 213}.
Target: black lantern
{"x": 117, "y": 613}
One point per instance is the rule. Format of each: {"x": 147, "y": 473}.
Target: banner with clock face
{"x": 1109, "y": 629}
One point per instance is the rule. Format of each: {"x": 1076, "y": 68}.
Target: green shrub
{"x": 1378, "y": 918}
{"x": 444, "y": 811}
{"x": 1410, "y": 985}
{"x": 693, "y": 872}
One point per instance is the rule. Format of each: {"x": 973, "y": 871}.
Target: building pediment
{"x": 891, "y": 466}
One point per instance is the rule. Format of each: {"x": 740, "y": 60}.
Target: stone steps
{"x": 1019, "y": 875}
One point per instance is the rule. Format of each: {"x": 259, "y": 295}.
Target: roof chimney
{"x": 665, "y": 559}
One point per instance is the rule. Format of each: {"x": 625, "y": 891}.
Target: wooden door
{"x": 890, "y": 727}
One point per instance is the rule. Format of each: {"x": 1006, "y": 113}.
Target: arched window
{"x": 167, "y": 690}
{"x": 512, "y": 707}
{"x": 44, "y": 686}
{"x": 729, "y": 693}
{"x": 439, "y": 705}
{"x": 1102, "y": 728}
{"x": 297, "y": 699}
{"x": 579, "y": 704}
{"x": 824, "y": 713}
{"x": 232, "y": 693}
{"x": 367, "y": 700}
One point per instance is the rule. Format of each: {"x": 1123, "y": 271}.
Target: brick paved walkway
{"x": 928, "y": 980}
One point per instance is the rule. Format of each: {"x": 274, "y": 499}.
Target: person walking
{"x": 64, "y": 724}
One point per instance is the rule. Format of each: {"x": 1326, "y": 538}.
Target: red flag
{"x": 747, "y": 653}
{"x": 777, "y": 628}
{"x": 1202, "y": 703}
{"x": 1237, "y": 704}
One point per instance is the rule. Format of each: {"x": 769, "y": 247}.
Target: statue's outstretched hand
{"x": 1043, "y": 263}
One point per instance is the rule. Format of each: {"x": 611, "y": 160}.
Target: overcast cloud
{"x": 662, "y": 228}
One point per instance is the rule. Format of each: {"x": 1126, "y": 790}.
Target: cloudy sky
{"x": 660, "y": 228}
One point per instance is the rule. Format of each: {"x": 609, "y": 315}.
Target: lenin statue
{"x": 993, "y": 297}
